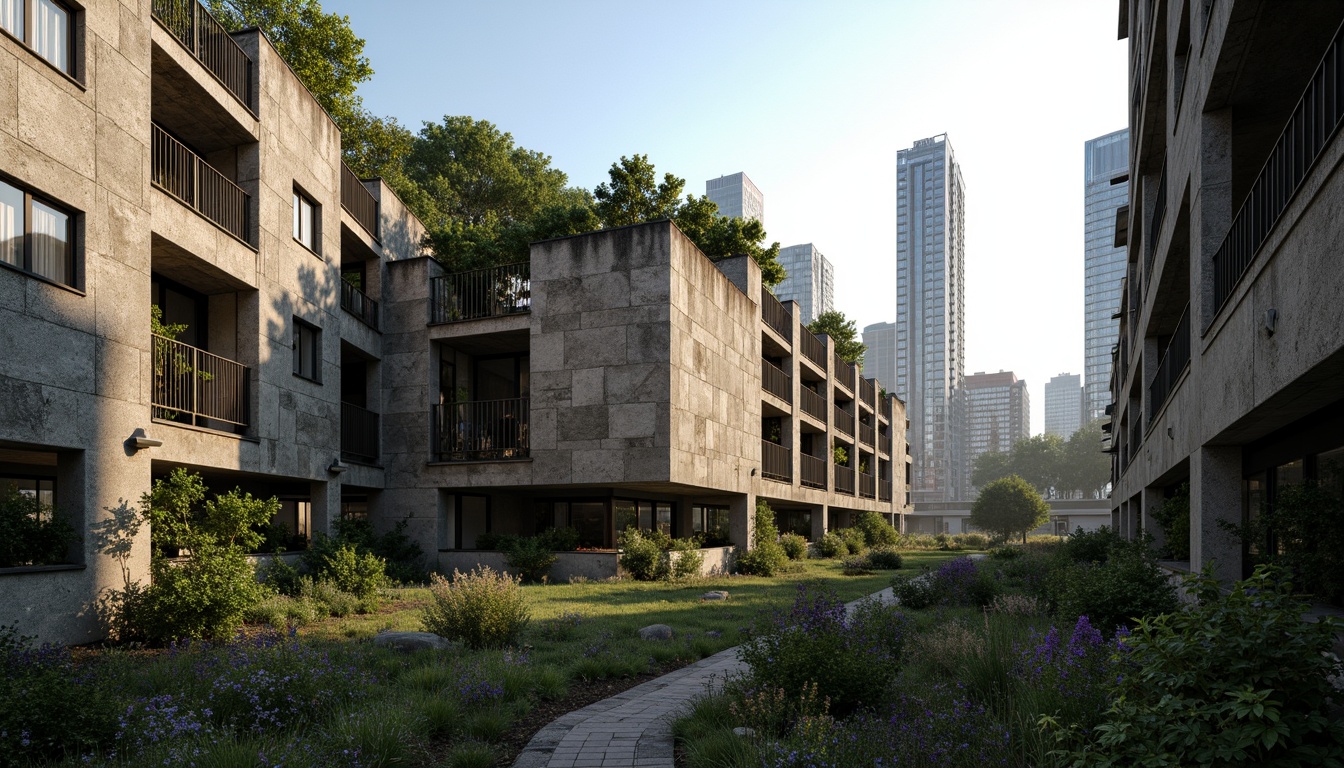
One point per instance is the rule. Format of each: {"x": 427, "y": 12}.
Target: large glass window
{"x": 47, "y": 31}
{"x": 35, "y": 235}
{"x": 711, "y": 524}
{"x": 304, "y": 216}
{"x": 307, "y": 351}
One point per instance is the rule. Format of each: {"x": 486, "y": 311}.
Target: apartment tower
{"x": 930, "y": 313}
{"x": 998, "y": 414}
{"x": 1064, "y": 405}
{"x": 736, "y": 197}
{"x": 810, "y": 280}
{"x": 879, "y": 361}
{"x": 1106, "y": 164}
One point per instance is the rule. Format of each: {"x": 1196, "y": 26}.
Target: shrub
{"x": 972, "y": 540}
{"x": 767, "y": 557}
{"x": 204, "y": 596}
{"x": 560, "y": 539}
{"x": 855, "y": 565}
{"x": 281, "y": 576}
{"x": 1173, "y": 516}
{"x": 916, "y": 592}
{"x": 48, "y": 709}
{"x": 1005, "y": 553}
{"x": 855, "y": 541}
{"x": 1307, "y": 523}
{"x": 1236, "y": 680}
{"x": 885, "y": 558}
{"x": 851, "y": 660}
{"x": 325, "y": 597}
{"x": 1127, "y": 586}
{"x": 531, "y": 557}
{"x": 686, "y": 558}
{"x": 957, "y": 582}
{"x": 877, "y": 532}
{"x": 1091, "y": 546}
{"x": 360, "y": 574}
{"x": 831, "y": 545}
{"x": 562, "y": 627}
{"x": 641, "y": 556}
{"x": 795, "y": 546}
{"x": 483, "y": 609}
{"x": 402, "y": 557}
{"x": 1069, "y": 676}
{"x": 281, "y": 611}
{"x": 30, "y": 531}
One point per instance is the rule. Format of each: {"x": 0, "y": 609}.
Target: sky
{"x": 812, "y": 100}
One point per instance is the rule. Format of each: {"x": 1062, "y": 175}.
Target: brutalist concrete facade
{"x": 1231, "y": 350}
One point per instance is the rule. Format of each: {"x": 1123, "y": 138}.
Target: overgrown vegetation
{"x": 482, "y": 608}
{"x": 30, "y": 532}
{"x": 653, "y": 556}
{"x": 767, "y": 556}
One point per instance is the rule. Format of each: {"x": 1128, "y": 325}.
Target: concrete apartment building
{"x": 810, "y": 280}
{"x": 1231, "y": 349}
{"x": 1105, "y": 171}
{"x": 1064, "y": 404}
{"x": 156, "y": 160}
{"x": 998, "y": 414}
{"x": 737, "y": 197}
{"x": 931, "y": 314}
{"x": 879, "y": 361}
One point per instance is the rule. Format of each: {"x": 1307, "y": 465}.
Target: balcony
{"x": 1155, "y": 229}
{"x": 814, "y": 405}
{"x": 844, "y": 421}
{"x": 481, "y": 430}
{"x": 813, "y": 470}
{"x": 210, "y": 43}
{"x": 490, "y": 292}
{"x": 884, "y": 490}
{"x": 843, "y": 372}
{"x": 775, "y": 316}
{"x": 357, "y": 303}
{"x": 359, "y": 434}
{"x": 866, "y": 433}
{"x": 1174, "y": 360}
{"x": 194, "y": 387}
{"x": 884, "y": 443}
{"x": 844, "y": 480}
{"x": 775, "y": 381}
{"x": 358, "y": 201}
{"x": 1314, "y": 120}
{"x": 867, "y": 392}
{"x": 776, "y": 462}
{"x": 813, "y": 348}
{"x": 183, "y": 174}
{"x": 867, "y": 486}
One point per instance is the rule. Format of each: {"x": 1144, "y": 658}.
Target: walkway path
{"x": 633, "y": 729}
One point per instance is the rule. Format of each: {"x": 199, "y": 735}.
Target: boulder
{"x": 716, "y": 595}
{"x": 406, "y": 642}
{"x": 656, "y": 632}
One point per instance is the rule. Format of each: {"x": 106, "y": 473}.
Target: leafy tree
{"x": 843, "y": 332}
{"x": 1086, "y": 468}
{"x": 990, "y": 466}
{"x": 1008, "y": 506}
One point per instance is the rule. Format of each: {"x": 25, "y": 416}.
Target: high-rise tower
{"x": 879, "y": 361}
{"x": 1104, "y": 190}
{"x": 736, "y": 197}
{"x": 931, "y": 314}
{"x": 810, "y": 280}
{"x": 1064, "y": 405}
{"x": 998, "y": 414}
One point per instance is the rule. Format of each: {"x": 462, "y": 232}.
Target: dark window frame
{"x": 315, "y": 221}
{"x": 301, "y": 326}
{"x": 74, "y": 264}
{"x": 73, "y": 19}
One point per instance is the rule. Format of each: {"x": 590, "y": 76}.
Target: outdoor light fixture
{"x": 1271, "y": 320}
{"x": 139, "y": 440}
{"x": 753, "y": 471}
{"x": 337, "y": 467}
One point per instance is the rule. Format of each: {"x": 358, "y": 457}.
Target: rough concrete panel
{"x": 590, "y": 348}
{"x": 634, "y": 420}
{"x": 9, "y": 93}
{"x": 589, "y": 387}
{"x": 597, "y": 466}
{"x": 54, "y": 124}
{"x": 582, "y": 423}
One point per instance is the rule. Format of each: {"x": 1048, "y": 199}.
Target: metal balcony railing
{"x": 196, "y": 387}
{"x": 357, "y": 303}
{"x": 814, "y": 349}
{"x": 1313, "y": 124}
{"x": 489, "y": 292}
{"x": 1174, "y": 360}
{"x": 481, "y": 430}
{"x": 867, "y": 486}
{"x": 776, "y": 462}
{"x": 1155, "y": 230}
{"x": 814, "y": 405}
{"x": 184, "y": 175}
{"x": 843, "y": 372}
{"x": 359, "y": 433}
{"x": 867, "y": 392}
{"x": 866, "y": 433}
{"x": 844, "y": 421}
{"x": 775, "y": 316}
{"x": 884, "y": 490}
{"x": 844, "y": 480}
{"x": 358, "y": 201}
{"x": 813, "y": 470}
{"x": 210, "y": 43}
{"x": 775, "y": 381}
{"x": 884, "y": 443}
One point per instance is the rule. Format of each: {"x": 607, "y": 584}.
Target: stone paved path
{"x": 632, "y": 729}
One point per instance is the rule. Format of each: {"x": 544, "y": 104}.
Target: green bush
{"x": 1005, "y": 553}
{"x": 877, "y": 532}
{"x": 1236, "y": 680}
{"x": 767, "y": 557}
{"x": 48, "y": 708}
{"x": 349, "y": 570}
{"x": 831, "y": 546}
{"x": 972, "y": 540}
{"x": 324, "y": 596}
{"x": 914, "y": 592}
{"x": 1307, "y": 525}
{"x": 854, "y": 539}
{"x": 281, "y": 576}
{"x": 282, "y": 611}
{"x": 1091, "y": 546}
{"x": 641, "y": 556}
{"x": 532, "y": 557}
{"x": 483, "y": 609}
{"x": 686, "y": 558}
{"x": 404, "y": 561}
{"x": 1173, "y": 517}
{"x": 855, "y": 565}
{"x": 795, "y": 546}
{"x": 885, "y": 558}
{"x": 560, "y": 539}
{"x": 1129, "y": 585}
{"x": 30, "y": 531}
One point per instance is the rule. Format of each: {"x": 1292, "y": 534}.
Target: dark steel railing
{"x": 1154, "y": 229}
{"x": 884, "y": 490}
{"x": 814, "y": 349}
{"x": 489, "y": 292}
{"x": 1313, "y": 123}
{"x": 357, "y": 303}
{"x": 884, "y": 443}
{"x": 843, "y": 372}
{"x": 866, "y": 433}
{"x": 844, "y": 480}
{"x": 359, "y": 433}
{"x": 867, "y": 486}
{"x": 359, "y": 201}
{"x": 813, "y": 471}
{"x": 776, "y": 463}
{"x": 814, "y": 405}
{"x": 184, "y": 175}
{"x": 844, "y": 420}
{"x": 885, "y": 408}
{"x": 210, "y": 43}
{"x": 775, "y": 316}
{"x": 775, "y": 381}
{"x": 194, "y": 386}
{"x": 481, "y": 430}
{"x": 1135, "y": 435}
{"x": 867, "y": 392}
{"x": 1169, "y": 367}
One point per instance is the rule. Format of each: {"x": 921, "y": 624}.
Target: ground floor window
{"x": 643, "y": 515}
{"x": 711, "y": 523}
{"x": 797, "y": 521}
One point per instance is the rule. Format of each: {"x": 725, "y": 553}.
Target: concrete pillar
{"x": 1151, "y": 500}
{"x": 820, "y": 517}
{"x": 1215, "y": 494}
{"x": 742, "y": 520}
{"x": 326, "y": 505}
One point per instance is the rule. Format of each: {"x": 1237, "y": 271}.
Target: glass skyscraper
{"x": 879, "y": 361}
{"x": 736, "y": 197}
{"x": 810, "y": 280}
{"x": 931, "y": 314}
{"x": 1063, "y": 405}
{"x": 1104, "y": 190}
{"x": 998, "y": 414}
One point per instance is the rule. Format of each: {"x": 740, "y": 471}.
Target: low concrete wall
{"x": 259, "y": 561}
{"x": 587, "y": 565}
{"x": 718, "y": 561}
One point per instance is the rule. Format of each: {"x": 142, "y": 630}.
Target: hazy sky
{"x": 812, "y": 101}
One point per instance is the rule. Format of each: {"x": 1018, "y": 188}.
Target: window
{"x": 305, "y": 217}
{"x": 35, "y": 235}
{"x": 44, "y": 26}
{"x": 307, "y": 351}
{"x": 712, "y": 523}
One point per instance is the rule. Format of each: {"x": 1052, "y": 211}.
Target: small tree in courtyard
{"x": 1009, "y": 506}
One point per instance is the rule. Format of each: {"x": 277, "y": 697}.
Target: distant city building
{"x": 736, "y": 197}
{"x": 998, "y": 414}
{"x": 1106, "y": 168}
{"x": 879, "y": 362}
{"x": 931, "y": 313}
{"x": 810, "y": 280}
{"x": 1063, "y": 405}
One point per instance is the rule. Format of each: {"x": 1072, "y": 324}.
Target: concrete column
{"x": 1151, "y": 499}
{"x": 820, "y": 517}
{"x": 326, "y": 505}
{"x": 742, "y": 519}
{"x": 1215, "y": 494}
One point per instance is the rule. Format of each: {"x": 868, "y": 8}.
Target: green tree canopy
{"x": 1009, "y": 506}
{"x": 843, "y": 332}
{"x": 1048, "y": 462}
{"x": 1086, "y": 467}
